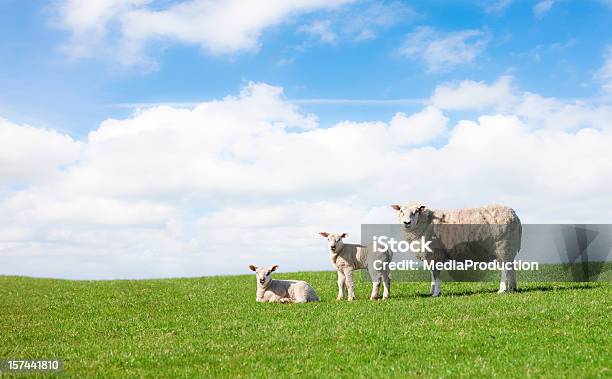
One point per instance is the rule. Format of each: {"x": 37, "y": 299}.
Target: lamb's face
{"x": 334, "y": 241}
{"x": 263, "y": 275}
{"x": 410, "y": 214}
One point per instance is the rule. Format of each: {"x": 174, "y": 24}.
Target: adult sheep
{"x": 478, "y": 234}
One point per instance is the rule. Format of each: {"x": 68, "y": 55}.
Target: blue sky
{"x": 143, "y": 138}
{"x": 554, "y": 54}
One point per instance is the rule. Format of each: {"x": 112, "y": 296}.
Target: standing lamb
{"x": 479, "y": 234}
{"x": 281, "y": 291}
{"x": 348, "y": 257}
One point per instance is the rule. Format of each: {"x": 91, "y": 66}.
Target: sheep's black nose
{"x": 261, "y": 281}
{"x": 407, "y": 223}
{"x": 333, "y": 248}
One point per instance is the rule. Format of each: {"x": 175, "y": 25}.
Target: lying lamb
{"x": 480, "y": 234}
{"x": 281, "y": 291}
{"x": 348, "y": 257}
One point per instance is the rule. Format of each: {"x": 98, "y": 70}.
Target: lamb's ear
{"x": 396, "y": 207}
{"x": 422, "y": 208}
{"x": 253, "y": 267}
{"x": 273, "y": 268}
{"x": 324, "y": 234}
{"x": 343, "y": 235}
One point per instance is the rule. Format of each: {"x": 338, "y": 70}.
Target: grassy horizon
{"x": 212, "y": 326}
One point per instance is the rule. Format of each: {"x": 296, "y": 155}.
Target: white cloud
{"x": 469, "y": 94}
{"x": 496, "y": 6}
{"x": 361, "y": 22}
{"x": 320, "y": 29}
{"x": 219, "y": 27}
{"x": 28, "y": 154}
{"x": 536, "y": 110}
{"x": 365, "y": 22}
{"x": 418, "y": 128}
{"x": 442, "y": 51}
{"x": 252, "y": 179}
{"x": 551, "y": 113}
{"x": 542, "y": 7}
{"x": 604, "y": 74}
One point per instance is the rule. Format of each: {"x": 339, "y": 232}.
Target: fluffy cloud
{"x": 252, "y": 179}
{"x": 219, "y": 27}
{"x": 442, "y": 51}
{"x": 553, "y": 113}
{"x": 418, "y": 128}
{"x": 536, "y": 110}
{"x": 469, "y": 94}
{"x": 28, "y": 154}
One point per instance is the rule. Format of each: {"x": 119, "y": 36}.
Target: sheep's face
{"x": 334, "y": 241}
{"x": 263, "y": 275}
{"x": 409, "y": 215}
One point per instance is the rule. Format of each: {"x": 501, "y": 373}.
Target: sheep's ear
{"x": 422, "y": 208}
{"x": 253, "y": 267}
{"x": 324, "y": 234}
{"x": 396, "y": 207}
{"x": 273, "y": 268}
{"x": 343, "y": 235}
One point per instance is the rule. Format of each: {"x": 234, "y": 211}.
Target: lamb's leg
{"x": 387, "y": 285}
{"x": 349, "y": 284}
{"x": 503, "y": 282}
{"x": 375, "y": 289}
{"x": 285, "y": 300}
{"x": 435, "y": 283}
{"x": 340, "y": 285}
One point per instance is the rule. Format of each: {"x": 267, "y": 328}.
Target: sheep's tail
{"x": 520, "y": 230}
{"x": 520, "y": 235}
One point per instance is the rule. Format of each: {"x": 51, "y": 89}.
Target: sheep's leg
{"x": 375, "y": 289}
{"x": 435, "y": 283}
{"x": 349, "y": 284}
{"x": 387, "y": 285}
{"x": 340, "y": 285}
{"x": 511, "y": 276}
{"x": 503, "y": 283}
{"x": 508, "y": 276}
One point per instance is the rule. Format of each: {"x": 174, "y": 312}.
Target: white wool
{"x": 281, "y": 291}
{"x": 481, "y": 234}
{"x": 348, "y": 257}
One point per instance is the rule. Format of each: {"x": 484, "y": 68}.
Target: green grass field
{"x": 213, "y": 327}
